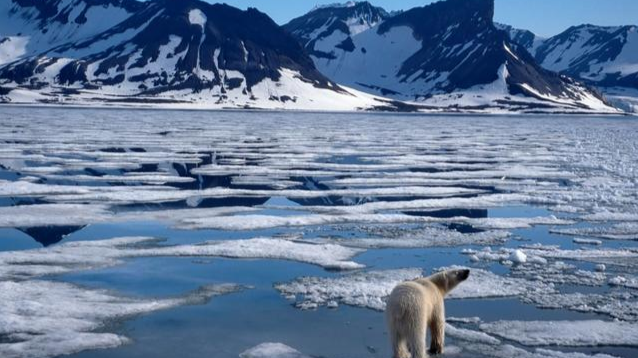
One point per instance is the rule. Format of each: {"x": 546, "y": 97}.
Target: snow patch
{"x": 197, "y": 17}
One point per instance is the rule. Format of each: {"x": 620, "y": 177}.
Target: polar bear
{"x": 415, "y": 305}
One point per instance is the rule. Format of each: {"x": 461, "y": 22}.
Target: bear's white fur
{"x": 417, "y": 305}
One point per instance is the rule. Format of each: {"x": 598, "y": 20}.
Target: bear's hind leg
{"x": 399, "y": 346}
{"x": 437, "y": 330}
{"x": 416, "y": 342}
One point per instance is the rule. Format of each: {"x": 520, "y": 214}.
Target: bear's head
{"x": 447, "y": 280}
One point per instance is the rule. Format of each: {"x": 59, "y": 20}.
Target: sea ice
{"x": 620, "y": 231}
{"x": 82, "y": 255}
{"x": 362, "y": 289}
{"x": 272, "y": 350}
{"x": 34, "y": 326}
{"x": 620, "y": 305}
{"x": 426, "y": 237}
{"x": 588, "y": 333}
{"x": 369, "y": 289}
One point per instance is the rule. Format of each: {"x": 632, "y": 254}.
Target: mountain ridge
{"x": 447, "y": 56}
{"x": 447, "y": 53}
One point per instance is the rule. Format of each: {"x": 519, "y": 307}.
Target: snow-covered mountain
{"x": 329, "y": 28}
{"x": 529, "y": 40}
{"x": 606, "y": 56}
{"x": 188, "y": 53}
{"x": 448, "y": 54}
{"x": 30, "y": 27}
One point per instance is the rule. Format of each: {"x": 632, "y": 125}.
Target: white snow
{"x": 197, "y": 17}
{"x": 384, "y": 54}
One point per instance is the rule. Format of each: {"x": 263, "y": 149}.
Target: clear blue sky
{"x": 544, "y": 17}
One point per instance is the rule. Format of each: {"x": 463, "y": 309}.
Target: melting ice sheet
{"x": 437, "y": 191}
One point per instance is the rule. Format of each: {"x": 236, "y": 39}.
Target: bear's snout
{"x": 465, "y": 274}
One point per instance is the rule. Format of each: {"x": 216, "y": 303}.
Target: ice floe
{"x": 621, "y": 231}
{"x": 587, "y": 242}
{"x": 272, "y": 350}
{"x": 470, "y": 343}
{"x": 620, "y": 305}
{"x": 256, "y": 222}
{"x": 486, "y": 284}
{"x": 629, "y": 282}
{"x": 369, "y": 289}
{"x": 425, "y": 237}
{"x": 73, "y": 256}
{"x": 566, "y": 333}
{"x": 329, "y": 256}
{"x": 42, "y": 215}
{"x": 52, "y": 215}
{"x": 33, "y": 326}
{"x": 362, "y": 289}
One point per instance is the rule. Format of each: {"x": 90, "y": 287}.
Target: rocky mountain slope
{"x": 449, "y": 54}
{"x": 168, "y": 52}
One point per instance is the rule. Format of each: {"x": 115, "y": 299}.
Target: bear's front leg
{"x": 437, "y": 330}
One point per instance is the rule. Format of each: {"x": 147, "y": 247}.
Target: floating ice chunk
{"x": 484, "y": 284}
{"x": 33, "y": 327}
{"x": 481, "y": 350}
{"x": 601, "y": 268}
{"x": 368, "y": 289}
{"x": 272, "y": 350}
{"x": 428, "y": 237}
{"x": 470, "y": 335}
{"x": 588, "y": 242}
{"x": 611, "y": 216}
{"x": 25, "y": 188}
{"x": 52, "y": 215}
{"x": 624, "y": 282}
{"x": 472, "y": 343}
{"x": 516, "y": 223}
{"x": 82, "y": 255}
{"x": 144, "y": 178}
{"x": 479, "y": 202}
{"x": 329, "y": 256}
{"x": 71, "y": 256}
{"x": 146, "y": 194}
{"x": 42, "y": 215}
{"x": 566, "y": 333}
{"x": 362, "y": 289}
{"x": 624, "y": 257}
{"x": 621, "y": 305}
{"x": 518, "y": 257}
{"x": 463, "y": 319}
{"x": 257, "y": 222}
{"x": 621, "y": 231}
